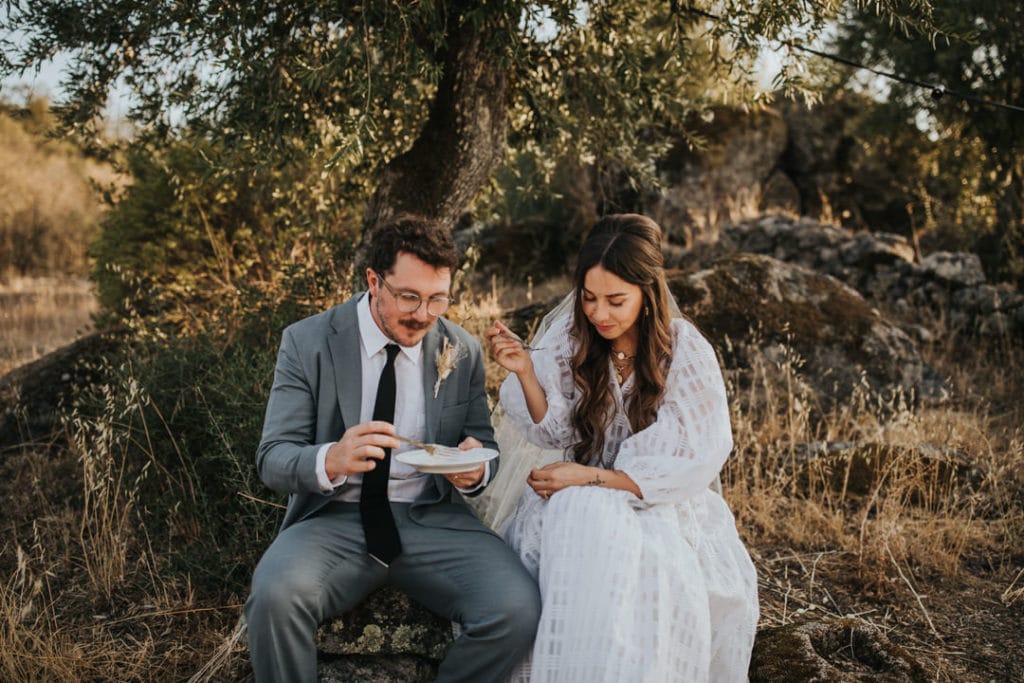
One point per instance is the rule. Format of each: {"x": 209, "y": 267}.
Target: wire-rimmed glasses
{"x": 408, "y": 302}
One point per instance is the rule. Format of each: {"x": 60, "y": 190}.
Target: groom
{"x": 347, "y": 381}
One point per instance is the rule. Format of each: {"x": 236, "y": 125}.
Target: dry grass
{"x": 926, "y": 545}
{"x": 38, "y": 315}
{"x": 38, "y": 647}
{"x": 90, "y": 597}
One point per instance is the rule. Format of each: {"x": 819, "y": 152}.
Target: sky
{"x": 46, "y": 83}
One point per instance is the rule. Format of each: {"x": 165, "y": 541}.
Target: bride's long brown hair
{"x": 628, "y": 246}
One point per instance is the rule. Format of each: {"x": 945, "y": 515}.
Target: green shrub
{"x": 199, "y": 223}
{"x": 185, "y": 410}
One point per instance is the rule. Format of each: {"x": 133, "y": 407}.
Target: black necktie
{"x": 382, "y": 541}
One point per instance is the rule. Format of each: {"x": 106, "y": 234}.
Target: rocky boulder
{"x": 386, "y": 638}
{"x": 884, "y": 268}
{"x": 755, "y": 308}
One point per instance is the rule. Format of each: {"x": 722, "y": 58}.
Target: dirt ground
{"x": 964, "y": 628}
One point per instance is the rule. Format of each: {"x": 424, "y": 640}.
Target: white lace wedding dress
{"x": 660, "y": 589}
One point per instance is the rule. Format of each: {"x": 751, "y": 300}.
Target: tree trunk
{"x": 463, "y": 140}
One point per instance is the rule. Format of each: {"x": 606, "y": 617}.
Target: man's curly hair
{"x": 427, "y": 240}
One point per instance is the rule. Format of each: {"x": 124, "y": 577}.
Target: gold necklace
{"x": 621, "y": 362}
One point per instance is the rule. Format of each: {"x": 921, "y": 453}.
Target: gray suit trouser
{"x": 318, "y": 568}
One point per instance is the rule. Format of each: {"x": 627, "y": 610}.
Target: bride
{"x": 642, "y": 574}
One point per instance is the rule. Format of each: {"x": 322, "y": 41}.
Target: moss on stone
{"x": 372, "y": 639}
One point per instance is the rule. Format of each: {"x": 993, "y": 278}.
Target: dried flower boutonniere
{"x": 447, "y": 357}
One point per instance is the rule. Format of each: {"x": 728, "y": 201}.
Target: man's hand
{"x": 469, "y": 478}
{"x": 359, "y": 449}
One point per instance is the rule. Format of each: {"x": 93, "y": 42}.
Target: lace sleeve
{"x": 680, "y": 454}
{"x": 551, "y": 364}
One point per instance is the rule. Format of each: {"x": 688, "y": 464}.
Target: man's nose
{"x": 421, "y": 313}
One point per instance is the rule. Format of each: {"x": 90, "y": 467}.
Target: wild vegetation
{"x": 136, "y": 526}
{"x": 49, "y": 209}
{"x": 134, "y": 523}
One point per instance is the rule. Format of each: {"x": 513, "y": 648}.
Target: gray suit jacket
{"x": 316, "y": 396}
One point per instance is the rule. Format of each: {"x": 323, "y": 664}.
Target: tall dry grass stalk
{"x": 107, "y": 524}
{"x": 41, "y": 314}
{"x": 37, "y": 646}
{"x": 113, "y": 543}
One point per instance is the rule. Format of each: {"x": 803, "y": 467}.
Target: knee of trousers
{"x": 513, "y": 615}
{"x": 289, "y": 593}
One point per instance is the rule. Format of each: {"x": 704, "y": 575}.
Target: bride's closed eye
{"x": 613, "y": 304}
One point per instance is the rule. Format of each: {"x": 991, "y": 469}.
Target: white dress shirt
{"x": 406, "y": 484}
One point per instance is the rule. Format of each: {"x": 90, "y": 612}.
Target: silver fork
{"x": 526, "y": 347}
{"x": 432, "y": 448}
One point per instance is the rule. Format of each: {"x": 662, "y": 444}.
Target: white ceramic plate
{"x": 445, "y": 464}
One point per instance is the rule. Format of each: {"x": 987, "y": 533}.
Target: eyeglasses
{"x": 408, "y": 302}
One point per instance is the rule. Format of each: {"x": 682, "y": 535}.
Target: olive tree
{"x": 416, "y": 102}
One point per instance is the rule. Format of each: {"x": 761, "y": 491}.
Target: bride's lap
{"x": 577, "y": 517}
{"x": 576, "y": 505}
{"x": 605, "y": 570}
{"x": 590, "y": 523}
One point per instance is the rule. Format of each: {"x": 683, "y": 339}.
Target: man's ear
{"x": 371, "y": 281}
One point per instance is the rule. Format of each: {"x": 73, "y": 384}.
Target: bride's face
{"x": 611, "y": 304}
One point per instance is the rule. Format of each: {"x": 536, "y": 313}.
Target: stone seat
{"x": 387, "y": 638}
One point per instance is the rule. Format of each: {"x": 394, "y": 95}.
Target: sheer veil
{"x": 518, "y": 456}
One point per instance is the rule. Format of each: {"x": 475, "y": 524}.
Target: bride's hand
{"x": 556, "y": 476}
{"x": 507, "y": 349}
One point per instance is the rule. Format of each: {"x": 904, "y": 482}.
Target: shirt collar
{"x": 373, "y": 337}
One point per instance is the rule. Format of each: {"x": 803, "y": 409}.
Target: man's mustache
{"x": 414, "y": 324}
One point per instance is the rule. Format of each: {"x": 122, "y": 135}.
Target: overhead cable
{"x": 937, "y": 90}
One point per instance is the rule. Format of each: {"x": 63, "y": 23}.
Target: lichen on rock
{"x": 388, "y": 623}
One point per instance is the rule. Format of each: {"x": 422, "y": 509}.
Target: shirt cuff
{"x": 326, "y": 485}
{"x": 483, "y": 480}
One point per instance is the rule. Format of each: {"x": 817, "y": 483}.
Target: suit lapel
{"x": 431, "y": 343}
{"x": 346, "y": 361}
